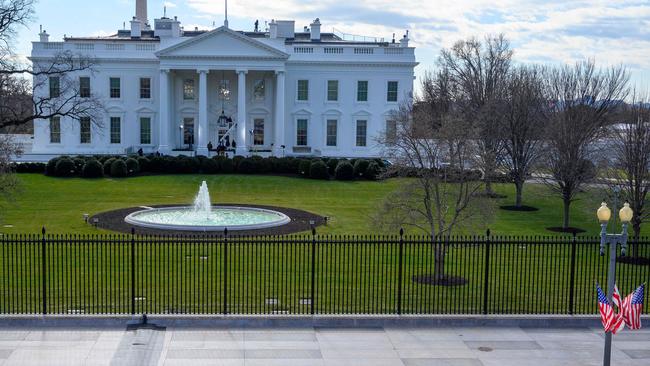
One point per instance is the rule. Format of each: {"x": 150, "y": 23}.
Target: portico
{"x": 196, "y": 84}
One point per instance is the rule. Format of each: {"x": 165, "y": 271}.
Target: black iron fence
{"x": 308, "y": 274}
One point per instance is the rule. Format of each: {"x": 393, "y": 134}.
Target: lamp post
{"x": 604, "y": 214}
{"x": 180, "y": 128}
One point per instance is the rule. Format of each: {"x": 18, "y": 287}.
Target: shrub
{"x": 264, "y": 166}
{"x": 157, "y": 164}
{"x": 226, "y": 165}
{"x": 93, "y": 169}
{"x": 344, "y": 171}
{"x": 132, "y": 166}
{"x": 29, "y": 167}
{"x": 247, "y": 166}
{"x": 144, "y": 164}
{"x": 50, "y": 168}
{"x": 107, "y": 166}
{"x": 360, "y": 167}
{"x": 209, "y": 166}
{"x": 331, "y": 165}
{"x": 372, "y": 171}
{"x": 65, "y": 167}
{"x": 318, "y": 170}
{"x": 119, "y": 169}
{"x": 303, "y": 167}
{"x": 285, "y": 166}
{"x": 236, "y": 160}
{"x": 79, "y": 163}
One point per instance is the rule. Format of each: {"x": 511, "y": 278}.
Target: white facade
{"x": 350, "y": 87}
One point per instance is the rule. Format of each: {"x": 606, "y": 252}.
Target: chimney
{"x": 315, "y": 30}
{"x": 273, "y": 29}
{"x": 141, "y": 11}
{"x": 404, "y": 42}
{"x": 43, "y": 35}
{"x": 136, "y": 28}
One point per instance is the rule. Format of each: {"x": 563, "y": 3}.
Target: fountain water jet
{"x": 202, "y": 216}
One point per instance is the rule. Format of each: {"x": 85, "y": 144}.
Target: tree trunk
{"x": 488, "y": 187}
{"x": 519, "y": 188}
{"x": 567, "y": 206}
{"x": 440, "y": 252}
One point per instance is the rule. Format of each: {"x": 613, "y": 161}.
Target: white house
{"x": 270, "y": 92}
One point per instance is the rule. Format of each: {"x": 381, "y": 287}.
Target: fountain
{"x": 202, "y": 216}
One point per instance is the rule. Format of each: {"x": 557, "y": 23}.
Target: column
{"x": 202, "y": 147}
{"x": 164, "y": 108}
{"x": 242, "y": 134}
{"x": 279, "y": 114}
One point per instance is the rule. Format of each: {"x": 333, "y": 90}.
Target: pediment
{"x": 222, "y": 43}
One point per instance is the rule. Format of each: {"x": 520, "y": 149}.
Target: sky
{"x": 547, "y": 32}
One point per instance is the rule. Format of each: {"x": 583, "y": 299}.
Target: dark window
{"x": 301, "y": 132}
{"x": 258, "y": 131}
{"x": 84, "y": 87}
{"x": 145, "y": 130}
{"x": 55, "y": 130}
{"x": 116, "y": 130}
{"x": 145, "y": 88}
{"x": 362, "y": 91}
{"x": 115, "y": 91}
{"x": 55, "y": 86}
{"x": 84, "y": 130}
{"x": 362, "y": 130}
{"x": 392, "y": 91}
{"x": 303, "y": 90}
{"x": 332, "y": 132}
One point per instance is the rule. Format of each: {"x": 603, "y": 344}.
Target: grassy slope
{"x": 59, "y": 204}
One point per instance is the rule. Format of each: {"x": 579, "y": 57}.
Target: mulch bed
{"x": 638, "y": 261}
{"x": 445, "y": 281}
{"x": 520, "y": 208}
{"x": 300, "y": 222}
{"x": 569, "y": 230}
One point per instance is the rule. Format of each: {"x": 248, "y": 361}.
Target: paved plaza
{"x": 466, "y": 346}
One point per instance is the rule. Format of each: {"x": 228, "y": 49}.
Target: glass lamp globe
{"x": 626, "y": 213}
{"x": 604, "y": 213}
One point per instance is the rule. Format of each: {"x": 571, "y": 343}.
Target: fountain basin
{"x": 187, "y": 218}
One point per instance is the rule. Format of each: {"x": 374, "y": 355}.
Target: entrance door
{"x": 188, "y": 132}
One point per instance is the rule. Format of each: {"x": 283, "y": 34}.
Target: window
{"x": 188, "y": 89}
{"x": 362, "y": 130}
{"x": 224, "y": 90}
{"x": 145, "y": 131}
{"x": 55, "y": 130}
{"x": 331, "y": 132}
{"x": 55, "y": 86}
{"x": 115, "y": 88}
{"x": 145, "y": 88}
{"x": 332, "y": 90}
{"x": 303, "y": 90}
{"x": 259, "y": 89}
{"x": 84, "y": 87}
{"x": 258, "y": 131}
{"x": 301, "y": 132}
{"x": 188, "y": 131}
{"x": 362, "y": 91}
{"x": 84, "y": 130}
{"x": 391, "y": 95}
{"x": 116, "y": 130}
{"x": 391, "y": 131}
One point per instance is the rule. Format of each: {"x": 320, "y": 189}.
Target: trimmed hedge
{"x": 318, "y": 170}
{"x": 119, "y": 169}
{"x": 344, "y": 171}
{"x": 315, "y": 168}
{"x": 92, "y": 169}
{"x": 65, "y": 167}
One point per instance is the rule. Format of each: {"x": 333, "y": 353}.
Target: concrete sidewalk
{"x": 319, "y": 346}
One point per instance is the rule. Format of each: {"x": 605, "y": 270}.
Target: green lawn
{"x": 59, "y": 204}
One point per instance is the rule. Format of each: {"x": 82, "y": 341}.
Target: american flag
{"x": 612, "y": 322}
{"x": 633, "y": 308}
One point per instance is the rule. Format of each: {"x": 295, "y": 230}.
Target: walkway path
{"x": 320, "y": 346}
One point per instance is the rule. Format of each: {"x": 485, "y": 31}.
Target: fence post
{"x": 313, "y": 270}
{"x": 132, "y": 271}
{"x": 399, "y": 273}
{"x": 44, "y": 271}
{"x": 224, "y": 308}
{"x": 573, "y": 275}
{"x": 486, "y": 277}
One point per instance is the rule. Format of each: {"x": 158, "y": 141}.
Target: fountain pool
{"x": 202, "y": 216}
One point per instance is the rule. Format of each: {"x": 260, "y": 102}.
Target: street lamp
{"x": 604, "y": 214}
{"x": 181, "y": 133}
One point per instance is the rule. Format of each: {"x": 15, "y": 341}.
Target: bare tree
{"x": 631, "y": 163}
{"x": 480, "y": 71}
{"x": 429, "y": 143}
{"x": 583, "y": 100}
{"x": 8, "y": 181}
{"x": 523, "y": 120}
{"x": 66, "y": 100}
